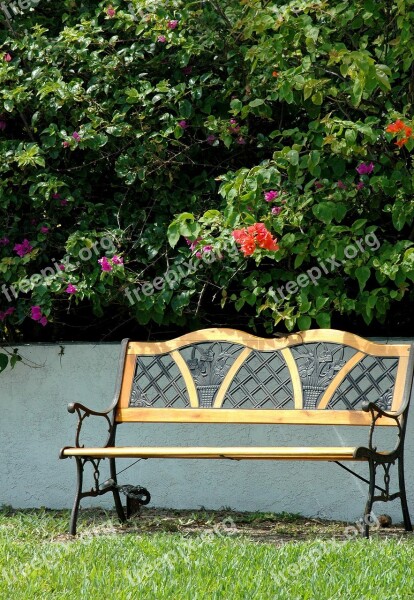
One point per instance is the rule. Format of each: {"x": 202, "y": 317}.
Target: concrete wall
{"x": 34, "y": 425}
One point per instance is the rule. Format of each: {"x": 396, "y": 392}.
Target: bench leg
{"x": 78, "y": 496}
{"x": 370, "y": 500}
{"x": 117, "y": 498}
{"x": 406, "y": 515}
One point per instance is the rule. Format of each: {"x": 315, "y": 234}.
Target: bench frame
{"x": 372, "y": 414}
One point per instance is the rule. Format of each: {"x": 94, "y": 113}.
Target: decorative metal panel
{"x": 373, "y": 379}
{"x": 209, "y": 363}
{"x": 158, "y": 383}
{"x": 263, "y": 382}
{"x": 318, "y": 363}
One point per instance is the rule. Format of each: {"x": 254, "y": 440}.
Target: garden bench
{"x": 317, "y": 377}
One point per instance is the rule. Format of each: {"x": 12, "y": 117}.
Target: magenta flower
{"x": 4, "y": 241}
{"x": 117, "y": 260}
{"x": 207, "y": 248}
{"x": 318, "y": 185}
{"x": 211, "y": 139}
{"x": 162, "y": 39}
{"x": 172, "y": 24}
{"x": 24, "y": 248}
{"x": 234, "y": 126}
{"x": 36, "y": 313}
{"x": 241, "y": 141}
{"x": 43, "y": 321}
{"x": 365, "y": 168}
{"x": 44, "y": 229}
{"x": 360, "y": 185}
{"x": 341, "y": 185}
{"x": 105, "y": 264}
{"x": 7, "y": 57}
{"x": 55, "y": 196}
{"x": 198, "y": 254}
{"x": 71, "y": 289}
{"x": 194, "y": 243}
{"x": 187, "y": 70}
{"x": 76, "y": 136}
{"x": 63, "y": 202}
{"x": 110, "y": 12}
{"x": 3, "y": 125}
{"x": 270, "y": 196}
{"x": 61, "y": 267}
{"x": 65, "y": 144}
{"x": 183, "y": 124}
{"x": 276, "y": 210}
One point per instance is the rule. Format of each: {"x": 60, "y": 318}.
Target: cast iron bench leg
{"x": 403, "y": 496}
{"x": 117, "y": 498}
{"x": 75, "y": 509}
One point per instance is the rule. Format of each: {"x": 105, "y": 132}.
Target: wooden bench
{"x": 319, "y": 377}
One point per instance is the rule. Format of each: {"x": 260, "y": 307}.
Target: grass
{"x": 195, "y": 555}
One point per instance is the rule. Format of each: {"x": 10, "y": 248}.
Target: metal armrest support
{"x": 83, "y": 412}
{"x": 368, "y": 406}
{"x": 376, "y": 413}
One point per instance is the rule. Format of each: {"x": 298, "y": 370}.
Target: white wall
{"x": 34, "y": 425}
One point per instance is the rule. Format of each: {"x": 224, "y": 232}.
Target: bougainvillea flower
{"x": 76, "y": 136}
{"x": 400, "y": 128}
{"x": 43, "y": 321}
{"x": 270, "y": 196}
{"x": 61, "y": 267}
{"x": 71, "y": 289}
{"x": 360, "y": 185}
{"x": 365, "y": 168}
{"x": 4, "y": 241}
{"x": 24, "y": 248}
{"x": 63, "y": 202}
{"x": 105, "y": 264}
{"x": 275, "y": 74}
{"x": 55, "y": 196}
{"x": 276, "y": 210}
{"x": 3, "y": 125}
{"x": 395, "y": 127}
{"x": 110, "y": 11}
{"x": 65, "y": 144}
{"x": 162, "y": 39}
{"x": 183, "y": 124}
{"x": 241, "y": 141}
{"x": 341, "y": 185}
{"x": 211, "y": 139}
{"x": 207, "y": 248}
{"x": 234, "y": 126}
{"x": 198, "y": 254}
{"x": 172, "y": 24}
{"x": 254, "y": 236}
{"x": 35, "y": 313}
{"x": 187, "y": 70}
{"x": 9, "y": 311}
{"x": 7, "y": 57}
{"x": 117, "y": 260}
{"x": 318, "y": 185}
{"x": 44, "y": 229}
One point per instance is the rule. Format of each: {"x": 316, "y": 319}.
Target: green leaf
{"x": 185, "y": 109}
{"x": 323, "y": 320}
{"x": 4, "y": 361}
{"x": 173, "y": 234}
{"x": 304, "y": 322}
{"x": 293, "y": 157}
{"x": 324, "y": 211}
{"x": 257, "y": 102}
{"x": 362, "y": 274}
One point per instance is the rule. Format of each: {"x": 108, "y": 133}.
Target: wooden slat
{"x": 127, "y": 379}
{"x": 294, "y": 376}
{"x": 189, "y": 381}
{"x": 239, "y": 337}
{"x": 225, "y": 415}
{"x": 237, "y": 453}
{"x": 339, "y": 377}
{"x": 399, "y": 386}
{"x": 229, "y": 377}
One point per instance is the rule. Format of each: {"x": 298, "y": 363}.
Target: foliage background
{"x": 311, "y": 87}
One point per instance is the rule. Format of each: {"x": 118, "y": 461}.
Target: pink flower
{"x": 24, "y": 248}
{"x": 55, "y": 196}
{"x": 360, "y": 185}
{"x": 194, "y": 243}
{"x": 187, "y": 70}
{"x": 36, "y": 313}
{"x": 207, "y": 248}
{"x": 7, "y": 57}
{"x": 65, "y": 144}
{"x": 4, "y": 241}
{"x": 3, "y": 125}
{"x": 63, "y": 202}
{"x": 365, "y": 168}
{"x": 276, "y": 210}
{"x": 9, "y": 311}
{"x": 234, "y": 126}
{"x": 183, "y": 124}
{"x": 117, "y": 260}
{"x": 241, "y": 141}
{"x": 341, "y": 185}
{"x": 44, "y": 229}
{"x": 61, "y": 267}
{"x": 172, "y": 24}
{"x": 318, "y": 185}
{"x": 105, "y": 264}
{"x": 76, "y": 136}
{"x": 211, "y": 139}
{"x": 2, "y": 316}
{"x": 43, "y": 321}
{"x": 110, "y": 12}
{"x": 199, "y": 254}
{"x": 162, "y": 39}
{"x": 71, "y": 289}
{"x": 270, "y": 196}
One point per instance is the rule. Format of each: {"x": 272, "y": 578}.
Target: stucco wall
{"x": 34, "y": 425}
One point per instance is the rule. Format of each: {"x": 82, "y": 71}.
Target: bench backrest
{"x": 227, "y": 376}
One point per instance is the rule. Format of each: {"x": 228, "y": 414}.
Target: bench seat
{"x": 230, "y": 452}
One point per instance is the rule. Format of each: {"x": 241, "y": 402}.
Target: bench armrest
{"x": 368, "y": 406}
{"x": 77, "y": 406}
{"x": 83, "y": 412}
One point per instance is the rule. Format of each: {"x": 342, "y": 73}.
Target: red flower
{"x": 395, "y": 127}
{"x": 255, "y": 236}
{"x": 7, "y": 57}
{"x": 400, "y": 128}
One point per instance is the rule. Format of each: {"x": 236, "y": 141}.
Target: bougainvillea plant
{"x": 127, "y": 128}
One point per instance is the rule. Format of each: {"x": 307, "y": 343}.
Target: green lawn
{"x": 183, "y": 559}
